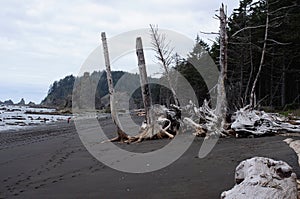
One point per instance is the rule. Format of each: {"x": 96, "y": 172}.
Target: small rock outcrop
{"x": 8, "y": 102}
{"x": 22, "y": 102}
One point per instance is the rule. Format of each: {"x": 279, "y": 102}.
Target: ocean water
{"x": 14, "y": 117}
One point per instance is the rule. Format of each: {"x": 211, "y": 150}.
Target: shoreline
{"x": 49, "y": 161}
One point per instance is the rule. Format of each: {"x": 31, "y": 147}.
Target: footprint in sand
{"x": 5, "y": 180}
{"x": 39, "y": 186}
{"x": 95, "y": 170}
{"x": 11, "y": 190}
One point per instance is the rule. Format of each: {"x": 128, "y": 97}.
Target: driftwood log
{"x": 261, "y": 177}
{"x": 245, "y": 122}
{"x": 248, "y": 122}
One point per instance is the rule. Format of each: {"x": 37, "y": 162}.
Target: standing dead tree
{"x": 267, "y": 52}
{"x": 247, "y": 121}
{"x": 143, "y": 80}
{"x": 157, "y": 122}
{"x": 221, "y": 98}
{"x": 215, "y": 119}
{"x": 252, "y": 94}
{"x": 165, "y": 55}
{"x": 122, "y": 136}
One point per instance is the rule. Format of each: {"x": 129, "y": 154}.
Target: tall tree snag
{"x": 143, "y": 80}
{"x": 164, "y": 55}
{"x": 252, "y": 94}
{"x": 221, "y": 98}
{"x": 122, "y": 136}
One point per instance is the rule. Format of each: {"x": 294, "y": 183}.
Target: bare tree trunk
{"x": 143, "y": 80}
{"x": 283, "y": 87}
{"x": 252, "y": 102}
{"x": 242, "y": 79}
{"x": 221, "y": 99}
{"x": 122, "y": 136}
{"x": 251, "y": 71}
{"x": 271, "y": 81}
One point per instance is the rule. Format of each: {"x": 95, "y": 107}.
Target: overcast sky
{"x": 44, "y": 40}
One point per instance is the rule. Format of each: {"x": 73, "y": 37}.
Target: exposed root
{"x": 122, "y": 137}
{"x": 199, "y": 129}
{"x": 165, "y": 125}
{"x": 155, "y": 130}
{"x": 210, "y": 125}
{"x": 258, "y": 123}
{"x": 246, "y": 122}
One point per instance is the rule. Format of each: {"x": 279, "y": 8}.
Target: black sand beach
{"x": 51, "y": 162}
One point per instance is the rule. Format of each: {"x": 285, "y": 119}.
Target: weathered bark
{"x": 161, "y": 125}
{"x": 211, "y": 125}
{"x": 221, "y": 98}
{"x": 143, "y": 80}
{"x": 122, "y": 136}
{"x": 248, "y": 122}
{"x": 252, "y": 94}
{"x": 199, "y": 129}
{"x": 215, "y": 119}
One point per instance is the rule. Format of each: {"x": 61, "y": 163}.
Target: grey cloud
{"x": 56, "y": 36}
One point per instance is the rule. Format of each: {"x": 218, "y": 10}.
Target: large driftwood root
{"x": 165, "y": 124}
{"x": 248, "y": 122}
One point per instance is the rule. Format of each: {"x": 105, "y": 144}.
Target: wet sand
{"x": 51, "y": 162}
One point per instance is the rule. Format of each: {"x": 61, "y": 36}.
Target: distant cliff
{"x": 60, "y": 92}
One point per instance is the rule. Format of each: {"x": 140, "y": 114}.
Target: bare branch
{"x": 282, "y": 8}
{"x": 165, "y": 55}
{"x": 211, "y": 40}
{"x": 277, "y": 42}
{"x": 277, "y": 18}
{"x": 246, "y": 28}
{"x": 210, "y": 33}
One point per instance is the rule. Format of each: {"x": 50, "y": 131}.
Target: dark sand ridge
{"x": 51, "y": 162}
